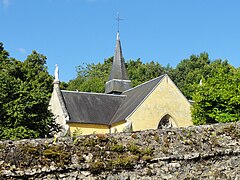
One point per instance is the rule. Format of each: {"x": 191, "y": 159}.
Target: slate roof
{"x": 106, "y": 109}
{"x": 135, "y": 97}
{"x": 92, "y": 108}
{"x": 118, "y": 70}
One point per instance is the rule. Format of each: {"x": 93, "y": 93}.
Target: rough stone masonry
{"x": 198, "y": 152}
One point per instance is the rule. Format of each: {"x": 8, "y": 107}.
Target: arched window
{"x": 165, "y": 122}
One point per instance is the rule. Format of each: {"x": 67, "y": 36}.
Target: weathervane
{"x": 118, "y": 20}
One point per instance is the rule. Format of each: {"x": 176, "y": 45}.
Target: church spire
{"x": 118, "y": 70}
{"x": 118, "y": 79}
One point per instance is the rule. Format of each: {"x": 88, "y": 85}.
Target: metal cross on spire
{"x": 118, "y": 20}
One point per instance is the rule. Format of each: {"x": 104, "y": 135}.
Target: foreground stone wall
{"x": 201, "y": 152}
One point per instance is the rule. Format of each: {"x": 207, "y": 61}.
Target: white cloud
{"x": 6, "y": 3}
{"x": 21, "y": 50}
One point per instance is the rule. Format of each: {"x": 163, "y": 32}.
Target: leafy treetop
{"x": 25, "y": 90}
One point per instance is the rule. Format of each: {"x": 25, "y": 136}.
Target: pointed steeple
{"x": 118, "y": 79}
{"x": 118, "y": 70}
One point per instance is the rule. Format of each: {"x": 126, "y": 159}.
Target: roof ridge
{"x": 145, "y": 83}
{"x": 93, "y": 93}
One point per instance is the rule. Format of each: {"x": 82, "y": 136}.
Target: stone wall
{"x": 201, "y": 152}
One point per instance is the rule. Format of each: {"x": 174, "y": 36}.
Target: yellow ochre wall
{"x": 88, "y": 128}
{"x": 118, "y": 127}
{"x": 165, "y": 99}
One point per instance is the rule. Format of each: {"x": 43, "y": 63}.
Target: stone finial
{"x": 56, "y": 74}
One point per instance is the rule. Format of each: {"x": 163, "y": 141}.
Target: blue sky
{"x": 73, "y": 32}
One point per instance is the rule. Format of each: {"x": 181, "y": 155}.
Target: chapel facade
{"x": 155, "y": 104}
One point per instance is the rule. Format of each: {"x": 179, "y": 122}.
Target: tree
{"x": 218, "y": 99}
{"x": 63, "y": 85}
{"x": 189, "y": 72}
{"x": 91, "y": 77}
{"x": 139, "y": 72}
{"x": 25, "y": 90}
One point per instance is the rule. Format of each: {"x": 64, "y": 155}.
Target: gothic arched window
{"x": 165, "y": 122}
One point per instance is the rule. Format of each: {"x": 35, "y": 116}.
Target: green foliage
{"x": 17, "y": 133}
{"x": 218, "y": 99}
{"x": 147, "y": 151}
{"x": 139, "y": 72}
{"x": 125, "y": 161}
{"x": 92, "y": 77}
{"x": 134, "y": 149}
{"x": 77, "y": 132}
{"x": 25, "y": 90}
{"x": 189, "y": 72}
{"x": 63, "y": 85}
{"x": 117, "y": 148}
{"x": 96, "y": 167}
{"x": 58, "y": 155}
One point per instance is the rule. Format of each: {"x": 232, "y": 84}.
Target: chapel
{"x": 155, "y": 104}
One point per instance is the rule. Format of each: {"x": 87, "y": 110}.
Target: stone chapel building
{"x": 157, "y": 103}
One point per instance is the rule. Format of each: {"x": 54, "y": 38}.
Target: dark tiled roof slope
{"x": 92, "y": 108}
{"x": 134, "y": 97}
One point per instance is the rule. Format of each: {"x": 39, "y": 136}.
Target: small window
{"x": 165, "y": 122}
